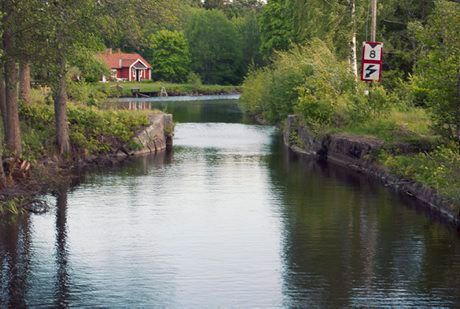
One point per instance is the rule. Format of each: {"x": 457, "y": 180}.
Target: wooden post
{"x": 374, "y": 20}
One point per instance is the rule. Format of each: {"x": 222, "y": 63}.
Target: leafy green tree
{"x": 248, "y": 28}
{"x": 70, "y": 27}
{"x": 276, "y": 28}
{"x": 169, "y": 55}
{"x": 215, "y": 47}
{"x": 129, "y": 24}
{"x": 436, "y": 79}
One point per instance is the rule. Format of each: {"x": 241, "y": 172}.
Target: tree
{"x": 276, "y": 28}
{"x": 215, "y": 47}
{"x": 24, "y": 81}
{"x": 169, "y": 55}
{"x": 436, "y": 79}
{"x": 129, "y": 24}
{"x": 10, "y": 30}
{"x": 70, "y": 29}
{"x": 248, "y": 28}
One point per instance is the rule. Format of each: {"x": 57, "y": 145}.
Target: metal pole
{"x": 374, "y": 20}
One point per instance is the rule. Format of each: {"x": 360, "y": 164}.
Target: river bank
{"x": 360, "y": 153}
{"x": 48, "y": 172}
{"x": 158, "y": 89}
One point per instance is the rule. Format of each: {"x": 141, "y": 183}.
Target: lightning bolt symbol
{"x": 370, "y": 70}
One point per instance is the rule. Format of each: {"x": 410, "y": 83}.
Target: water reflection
{"x": 230, "y": 218}
{"x": 205, "y": 111}
{"x": 62, "y": 289}
{"x": 348, "y": 241}
{"x": 15, "y": 254}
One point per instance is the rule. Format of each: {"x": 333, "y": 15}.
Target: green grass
{"x": 438, "y": 169}
{"x": 410, "y": 125}
{"x": 171, "y": 88}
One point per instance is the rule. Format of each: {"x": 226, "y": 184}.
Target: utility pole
{"x": 374, "y": 20}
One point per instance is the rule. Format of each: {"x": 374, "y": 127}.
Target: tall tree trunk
{"x": 3, "y": 101}
{"x": 458, "y": 107}
{"x": 60, "y": 111}
{"x": 3, "y": 111}
{"x": 24, "y": 82}
{"x": 354, "y": 60}
{"x": 13, "y": 131}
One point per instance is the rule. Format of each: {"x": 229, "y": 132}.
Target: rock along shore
{"x": 357, "y": 153}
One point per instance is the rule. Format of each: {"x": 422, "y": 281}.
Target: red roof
{"x": 120, "y": 60}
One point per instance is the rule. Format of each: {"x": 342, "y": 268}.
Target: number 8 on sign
{"x": 372, "y": 51}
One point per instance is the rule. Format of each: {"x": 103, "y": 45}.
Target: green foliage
{"x": 169, "y": 55}
{"x": 276, "y": 27}
{"x": 255, "y": 92}
{"x": 90, "y": 67}
{"x": 85, "y": 93}
{"x": 194, "y": 80}
{"x": 439, "y": 169}
{"x": 215, "y": 46}
{"x": 92, "y": 131}
{"x": 409, "y": 125}
{"x": 436, "y": 80}
{"x": 310, "y": 81}
{"x": 248, "y": 28}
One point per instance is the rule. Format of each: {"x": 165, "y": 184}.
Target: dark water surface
{"x": 229, "y": 219}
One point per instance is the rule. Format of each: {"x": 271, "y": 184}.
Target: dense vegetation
{"x": 294, "y": 56}
{"x": 312, "y": 74}
{"x": 55, "y": 45}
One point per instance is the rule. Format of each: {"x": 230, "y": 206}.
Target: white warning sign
{"x": 372, "y": 51}
{"x": 371, "y": 72}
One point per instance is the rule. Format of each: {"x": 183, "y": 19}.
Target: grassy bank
{"x": 124, "y": 89}
{"x": 92, "y": 131}
{"x": 95, "y": 135}
{"x": 313, "y": 84}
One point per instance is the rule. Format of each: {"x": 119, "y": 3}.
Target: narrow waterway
{"x": 228, "y": 219}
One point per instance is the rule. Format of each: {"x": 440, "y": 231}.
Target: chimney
{"x": 118, "y": 50}
{"x": 120, "y": 61}
{"x": 108, "y": 51}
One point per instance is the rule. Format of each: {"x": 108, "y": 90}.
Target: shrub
{"x": 91, "y": 130}
{"x": 436, "y": 79}
{"x": 311, "y": 82}
{"x": 439, "y": 169}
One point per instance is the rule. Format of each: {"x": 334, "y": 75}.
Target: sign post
{"x": 371, "y": 67}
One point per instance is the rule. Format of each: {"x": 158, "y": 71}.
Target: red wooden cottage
{"x": 126, "y": 66}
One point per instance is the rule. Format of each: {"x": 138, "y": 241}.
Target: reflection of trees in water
{"x": 15, "y": 241}
{"x": 62, "y": 284}
{"x": 345, "y": 236}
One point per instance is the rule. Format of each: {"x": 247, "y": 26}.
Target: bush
{"x": 436, "y": 79}
{"x": 92, "y": 131}
{"x": 194, "y": 80}
{"x": 439, "y": 169}
{"x": 310, "y": 82}
{"x": 255, "y": 92}
{"x": 84, "y": 93}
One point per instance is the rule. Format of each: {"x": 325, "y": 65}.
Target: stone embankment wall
{"x": 359, "y": 153}
{"x": 154, "y": 138}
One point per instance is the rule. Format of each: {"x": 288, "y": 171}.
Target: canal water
{"x": 228, "y": 219}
